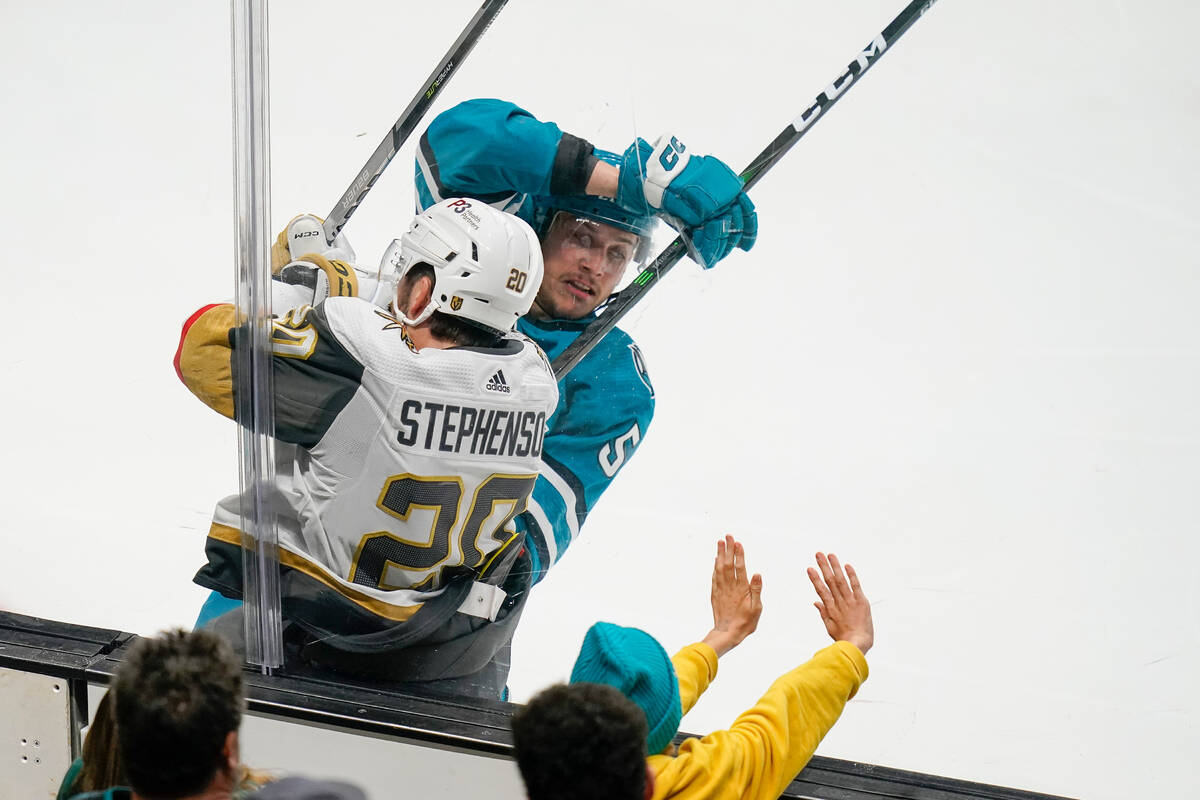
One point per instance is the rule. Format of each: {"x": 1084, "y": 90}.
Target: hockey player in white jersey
{"x": 408, "y": 439}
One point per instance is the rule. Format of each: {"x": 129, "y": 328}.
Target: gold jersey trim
{"x": 204, "y": 354}
{"x": 228, "y": 535}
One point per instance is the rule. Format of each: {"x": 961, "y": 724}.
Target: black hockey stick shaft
{"x": 387, "y": 149}
{"x": 677, "y": 249}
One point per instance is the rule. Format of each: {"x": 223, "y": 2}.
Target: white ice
{"x": 965, "y": 354}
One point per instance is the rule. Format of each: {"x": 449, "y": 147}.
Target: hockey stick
{"x": 387, "y": 149}
{"x": 620, "y": 303}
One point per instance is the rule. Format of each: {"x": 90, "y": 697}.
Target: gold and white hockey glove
{"x": 303, "y": 235}
{"x": 306, "y": 271}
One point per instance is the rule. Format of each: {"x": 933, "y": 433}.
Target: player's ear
{"x": 231, "y": 751}
{"x": 400, "y": 296}
{"x": 421, "y": 293}
{"x": 412, "y": 294}
{"x": 648, "y": 792}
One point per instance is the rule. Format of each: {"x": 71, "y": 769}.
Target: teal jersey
{"x": 494, "y": 151}
{"x": 605, "y": 405}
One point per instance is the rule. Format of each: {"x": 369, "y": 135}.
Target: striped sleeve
{"x": 314, "y": 375}
{"x": 202, "y": 360}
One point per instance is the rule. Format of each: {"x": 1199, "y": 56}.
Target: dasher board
{"x": 374, "y": 737}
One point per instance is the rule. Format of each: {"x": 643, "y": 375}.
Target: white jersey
{"x": 397, "y": 467}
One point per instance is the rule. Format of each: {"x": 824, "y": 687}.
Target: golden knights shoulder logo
{"x": 293, "y": 336}
{"x": 455, "y": 303}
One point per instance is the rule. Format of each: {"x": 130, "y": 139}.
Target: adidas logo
{"x": 497, "y": 383}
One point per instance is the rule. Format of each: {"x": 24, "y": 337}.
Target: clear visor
{"x": 607, "y": 247}
{"x": 391, "y": 269}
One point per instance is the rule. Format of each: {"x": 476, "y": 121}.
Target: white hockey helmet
{"x": 487, "y": 265}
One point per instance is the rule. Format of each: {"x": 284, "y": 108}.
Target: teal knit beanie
{"x": 632, "y": 661}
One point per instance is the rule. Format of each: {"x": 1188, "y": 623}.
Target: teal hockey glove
{"x": 697, "y": 194}
{"x": 735, "y": 226}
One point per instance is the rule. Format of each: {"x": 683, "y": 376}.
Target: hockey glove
{"x": 306, "y": 270}
{"x": 735, "y": 226}
{"x": 304, "y": 235}
{"x": 699, "y": 194}
{"x": 312, "y": 279}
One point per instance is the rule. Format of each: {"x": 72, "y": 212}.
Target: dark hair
{"x": 102, "y": 765}
{"x": 178, "y": 696}
{"x": 585, "y": 741}
{"x": 463, "y": 332}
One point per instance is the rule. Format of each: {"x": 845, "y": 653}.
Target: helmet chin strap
{"x": 425, "y": 314}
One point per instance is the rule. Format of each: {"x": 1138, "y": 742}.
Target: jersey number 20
{"x": 402, "y": 493}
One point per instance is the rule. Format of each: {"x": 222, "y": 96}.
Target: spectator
{"x": 586, "y": 741}
{"x": 569, "y": 737}
{"x": 178, "y": 700}
{"x": 99, "y": 766}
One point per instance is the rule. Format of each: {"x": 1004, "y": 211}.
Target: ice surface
{"x": 964, "y": 354}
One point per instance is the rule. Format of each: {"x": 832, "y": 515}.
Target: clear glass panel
{"x": 252, "y": 179}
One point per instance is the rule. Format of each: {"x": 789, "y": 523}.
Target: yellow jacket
{"x": 768, "y": 745}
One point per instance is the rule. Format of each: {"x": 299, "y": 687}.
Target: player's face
{"x": 584, "y": 260}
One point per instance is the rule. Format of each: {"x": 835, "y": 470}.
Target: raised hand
{"x": 736, "y": 598}
{"x": 844, "y": 608}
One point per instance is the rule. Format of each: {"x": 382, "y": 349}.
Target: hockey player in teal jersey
{"x": 594, "y": 211}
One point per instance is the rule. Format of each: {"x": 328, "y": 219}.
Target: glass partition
{"x": 254, "y": 393}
